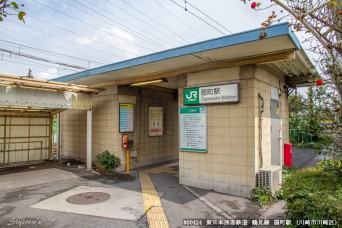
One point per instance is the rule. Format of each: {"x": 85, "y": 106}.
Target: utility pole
{"x": 30, "y": 74}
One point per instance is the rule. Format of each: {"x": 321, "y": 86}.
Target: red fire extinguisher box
{"x": 288, "y": 154}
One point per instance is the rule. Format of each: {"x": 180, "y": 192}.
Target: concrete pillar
{"x": 89, "y": 138}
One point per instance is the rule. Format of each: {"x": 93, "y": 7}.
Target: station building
{"x": 219, "y": 106}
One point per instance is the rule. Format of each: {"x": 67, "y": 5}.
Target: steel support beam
{"x": 12, "y": 95}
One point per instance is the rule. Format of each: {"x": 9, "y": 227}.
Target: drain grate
{"x": 86, "y": 198}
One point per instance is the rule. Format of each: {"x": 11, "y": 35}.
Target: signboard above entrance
{"x": 212, "y": 94}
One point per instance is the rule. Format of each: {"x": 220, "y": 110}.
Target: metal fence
{"x": 299, "y": 136}
{"x": 19, "y": 153}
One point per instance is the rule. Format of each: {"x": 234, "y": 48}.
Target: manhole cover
{"x": 86, "y": 198}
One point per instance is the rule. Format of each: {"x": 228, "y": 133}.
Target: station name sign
{"x": 212, "y": 94}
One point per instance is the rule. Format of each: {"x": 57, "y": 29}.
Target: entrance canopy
{"x": 22, "y": 96}
{"x": 27, "y": 107}
{"x": 279, "y": 49}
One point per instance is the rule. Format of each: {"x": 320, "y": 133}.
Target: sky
{"x": 74, "y": 35}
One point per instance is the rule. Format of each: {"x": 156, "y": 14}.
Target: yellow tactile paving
{"x": 156, "y": 217}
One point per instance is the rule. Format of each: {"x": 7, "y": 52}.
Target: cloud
{"x": 114, "y": 40}
{"x": 49, "y": 74}
{"x": 83, "y": 41}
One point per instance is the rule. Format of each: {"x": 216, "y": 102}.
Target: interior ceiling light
{"x": 149, "y": 82}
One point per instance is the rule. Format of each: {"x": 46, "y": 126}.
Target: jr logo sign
{"x": 191, "y": 96}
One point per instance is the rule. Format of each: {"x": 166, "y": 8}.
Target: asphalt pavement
{"x": 23, "y": 187}
{"x": 29, "y": 186}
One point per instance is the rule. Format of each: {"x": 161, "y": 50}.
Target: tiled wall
{"x": 73, "y": 127}
{"x": 232, "y": 160}
{"x": 106, "y": 134}
{"x": 161, "y": 148}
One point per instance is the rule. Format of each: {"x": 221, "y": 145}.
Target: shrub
{"x": 313, "y": 194}
{"x": 333, "y": 166}
{"x": 287, "y": 172}
{"x": 262, "y": 196}
{"x": 106, "y": 161}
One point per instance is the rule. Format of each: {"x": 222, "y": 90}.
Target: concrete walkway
{"x": 177, "y": 200}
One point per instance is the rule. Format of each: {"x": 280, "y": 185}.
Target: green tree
{"x": 321, "y": 20}
{"x": 11, "y": 8}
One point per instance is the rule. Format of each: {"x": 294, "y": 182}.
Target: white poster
{"x": 155, "y": 117}
{"x": 193, "y": 129}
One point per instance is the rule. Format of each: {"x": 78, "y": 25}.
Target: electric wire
{"x": 187, "y": 2}
{"x": 40, "y": 42}
{"x": 109, "y": 33}
{"x": 50, "y": 52}
{"x": 26, "y": 62}
{"x": 167, "y": 29}
{"x": 71, "y": 31}
{"x": 198, "y": 17}
{"x": 60, "y": 38}
{"x": 145, "y": 23}
{"x": 186, "y": 24}
{"x": 142, "y": 36}
{"x": 24, "y": 68}
{"x": 103, "y": 52}
{"x": 42, "y": 59}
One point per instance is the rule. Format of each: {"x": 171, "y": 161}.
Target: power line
{"x": 142, "y": 21}
{"x": 42, "y": 59}
{"x": 143, "y": 37}
{"x": 68, "y": 30}
{"x": 96, "y": 29}
{"x": 59, "y": 54}
{"x": 198, "y": 17}
{"x": 155, "y": 21}
{"x": 103, "y": 52}
{"x": 23, "y": 68}
{"x": 64, "y": 39}
{"x": 187, "y": 2}
{"x": 40, "y": 41}
{"x": 38, "y": 64}
{"x": 192, "y": 29}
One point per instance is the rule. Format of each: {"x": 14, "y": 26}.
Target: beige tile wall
{"x": 106, "y": 134}
{"x": 232, "y": 160}
{"x": 73, "y": 134}
{"x": 157, "y": 149}
{"x": 104, "y": 126}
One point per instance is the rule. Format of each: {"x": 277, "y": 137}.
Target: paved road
{"x": 178, "y": 203}
{"x": 305, "y": 157}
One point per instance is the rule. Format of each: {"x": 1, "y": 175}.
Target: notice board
{"x": 126, "y": 117}
{"x": 193, "y": 129}
{"x": 155, "y": 119}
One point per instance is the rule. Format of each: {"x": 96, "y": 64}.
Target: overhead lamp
{"x": 149, "y": 82}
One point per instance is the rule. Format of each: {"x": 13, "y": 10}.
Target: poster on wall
{"x": 155, "y": 120}
{"x": 193, "y": 129}
{"x": 126, "y": 117}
